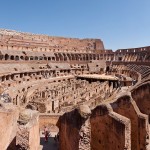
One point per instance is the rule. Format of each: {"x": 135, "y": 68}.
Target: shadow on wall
{"x": 12, "y": 145}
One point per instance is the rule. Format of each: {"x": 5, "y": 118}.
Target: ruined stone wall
{"x": 34, "y": 136}
{"x": 28, "y": 133}
{"x": 69, "y": 126}
{"x": 106, "y": 132}
{"x": 8, "y": 125}
{"x": 103, "y": 129}
{"x": 118, "y": 124}
{"x": 141, "y": 96}
{"x": 126, "y": 107}
{"x": 57, "y": 97}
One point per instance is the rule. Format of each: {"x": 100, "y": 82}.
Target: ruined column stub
{"x": 85, "y": 131}
{"x": 84, "y": 111}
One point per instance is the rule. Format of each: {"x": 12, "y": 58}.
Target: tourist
{"x": 56, "y": 138}
{"x": 46, "y": 133}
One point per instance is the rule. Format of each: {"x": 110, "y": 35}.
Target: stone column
{"x": 85, "y": 136}
{"x": 85, "y": 131}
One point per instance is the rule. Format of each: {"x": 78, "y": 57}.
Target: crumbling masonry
{"x": 98, "y": 98}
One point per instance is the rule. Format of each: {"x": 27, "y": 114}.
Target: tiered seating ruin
{"x": 98, "y": 98}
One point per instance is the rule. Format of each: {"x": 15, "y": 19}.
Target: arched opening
{"x": 97, "y": 57}
{"x": 87, "y": 58}
{"x": 68, "y": 55}
{"x": 65, "y": 57}
{"x": 57, "y": 57}
{"x": 45, "y": 58}
{"x": 12, "y": 57}
{"x": 3, "y": 78}
{"x": 61, "y": 57}
{"x": 26, "y": 58}
{"x": 90, "y": 57}
{"x": 6, "y": 56}
{"x": 21, "y": 57}
{"x": 76, "y": 56}
{"x": 21, "y": 75}
{"x": 43, "y": 94}
{"x": 94, "y": 57}
{"x": 1, "y": 57}
{"x": 73, "y": 56}
{"x": 31, "y": 58}
{"x": 36, "y": 58}
{"x": 84, "y": 57}
{"x": 7, "y": 77}
{"x": 40, "y": 58}
{"x": 17, "y": 58}
{"x": 53, "y": 58}
{"x": 12, "y": 77}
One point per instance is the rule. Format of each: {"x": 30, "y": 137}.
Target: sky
{"x": 118, "y": 23}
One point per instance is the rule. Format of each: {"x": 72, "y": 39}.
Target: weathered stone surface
{"x": 8, "y": 125}
{"x": 84, "y": 111}
{"x": 99, "y": 97}
{"x": 28, "y": 131}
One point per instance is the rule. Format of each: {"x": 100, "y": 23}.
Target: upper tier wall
{"x": 21, "y": 41}
{"x": 134, "y": 50}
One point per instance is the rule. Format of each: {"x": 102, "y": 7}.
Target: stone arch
{"x": 6, "y": 56}
{"x": 65, "y": 57}
{"x": 31, "y": 58}
{"x": 73, "y": 56}
{"x": 12, "y": 57}
{"x": 45, "y": 58}
{"x": 61, "y": 58}
{"x": 21, "y": 57}
{"x": 94, "y": 56}
{"x": 57, "y": 57}
{"x": 84, "y": 57}
{"x": 90, "y": 56}
{"x": 97, "y": 56}
{"x": 40, "y": 57}
{"x": 17, "y": 57}
{"x": 53, "y": 58}
{"x": 26, "y": 58}
{"x": 87, "y": 58}
{"x": 49, "y": 58}
{"x": 36, "y": 58}
{"x": 1, "y": 57}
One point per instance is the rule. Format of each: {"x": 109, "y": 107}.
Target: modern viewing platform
{"x": 98, "y": 77}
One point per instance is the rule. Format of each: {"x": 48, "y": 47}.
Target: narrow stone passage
{"x": 51, "y": 144}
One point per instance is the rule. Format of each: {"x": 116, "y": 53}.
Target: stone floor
{"x": 51, "y": 144}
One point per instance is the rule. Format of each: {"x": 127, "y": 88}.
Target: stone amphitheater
{"x": 97, "y": 99}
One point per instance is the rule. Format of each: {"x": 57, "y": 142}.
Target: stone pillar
{"x": 85, "y": 130}
{"x": 85, "y": 136}
{"x": 28, "y": 136}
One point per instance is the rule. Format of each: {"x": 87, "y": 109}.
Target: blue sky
{"x": 119, "y": 23}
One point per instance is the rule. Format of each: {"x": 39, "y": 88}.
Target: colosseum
{"x": 90, "y": 97}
